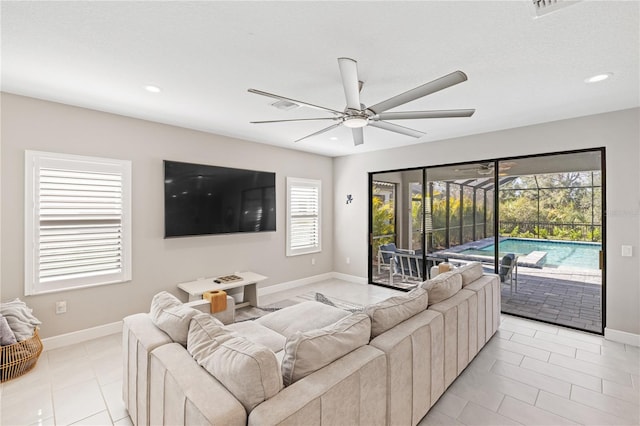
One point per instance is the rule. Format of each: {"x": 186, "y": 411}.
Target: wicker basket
{"x": 19, "y": 358}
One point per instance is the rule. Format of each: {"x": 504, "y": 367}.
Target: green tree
{"x": 383, "y": 222}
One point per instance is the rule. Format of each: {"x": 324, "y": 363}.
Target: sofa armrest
{"x": 487, "y": 289}
{"x": 183, "y": 393}
{"x": 350, "y": 390}
{"x": 139, "y": 337}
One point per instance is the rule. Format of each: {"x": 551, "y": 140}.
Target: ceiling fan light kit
{"x": 356, "y": 116}
{"x": 355, "y": 122}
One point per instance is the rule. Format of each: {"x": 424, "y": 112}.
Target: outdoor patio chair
{"x": 399, "y": 262}
{"x": 386, "y": 259}
{"x": 509, "y": 270}
{"x": 410, "y": 263}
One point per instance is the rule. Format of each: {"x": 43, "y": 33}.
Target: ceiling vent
{"x": 545, "y": 7}
{"x": 285, "y": 105}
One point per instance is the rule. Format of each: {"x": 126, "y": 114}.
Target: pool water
{"x": 559, "y": 253}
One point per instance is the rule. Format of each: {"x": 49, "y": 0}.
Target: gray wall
{"x": 158, "y": 264}
{"x": 617, "y": 131}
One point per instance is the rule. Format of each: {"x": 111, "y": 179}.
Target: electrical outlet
{"x": 61, "y": 307}
{"x": 348, "y": 260}
{"x": 627, "y": 251}
{"x": 313, "y": 260}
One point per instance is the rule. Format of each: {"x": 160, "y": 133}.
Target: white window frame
{"x": 297, "y": 183}
{"x": 35, "y": 161}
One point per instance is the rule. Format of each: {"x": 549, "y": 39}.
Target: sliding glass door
{"x": 551, "y": 224}
{"x": 535, "y": 221}
{"x": 397, "y": 228}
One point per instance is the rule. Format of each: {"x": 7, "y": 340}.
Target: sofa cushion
{"x": 248, "y": 370}
{"x": 205, "y": 335}
{"x": 306, "y": 352}
{"x": 470, "y": 273}
{"x": 258, "y": 333}
{"x": 394, "y": 310}
{"x": 304, "y": 316}
{"x": 171, "y": 316}
{"x": 443, "y": 286}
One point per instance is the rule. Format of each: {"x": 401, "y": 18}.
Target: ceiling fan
{"x": 486, "y": 168}
{"x": 356, "y": 115}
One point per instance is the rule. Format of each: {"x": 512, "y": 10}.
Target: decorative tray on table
{"x": 226, "y": 279}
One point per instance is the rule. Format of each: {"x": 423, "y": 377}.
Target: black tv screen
{"x": 201, "y": 199}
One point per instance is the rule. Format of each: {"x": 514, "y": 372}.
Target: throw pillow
{"x": 171, "y": 316}
{"x": 391, "y": 312}
{"x": 205, "y": 335}
{"x": 306, "y": 352}
{"x": 248, "y": 370}
{"x": 443, "y": 286}
{"x": 470, "y": 273}
{"x": 6, "y": 334}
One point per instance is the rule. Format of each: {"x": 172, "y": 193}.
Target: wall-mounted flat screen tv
{"x": 202, "y": 199}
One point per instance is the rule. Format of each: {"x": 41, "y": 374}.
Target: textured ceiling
{"x": 205, "y": 55}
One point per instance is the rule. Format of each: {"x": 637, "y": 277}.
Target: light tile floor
{"x": 529, "y": 373}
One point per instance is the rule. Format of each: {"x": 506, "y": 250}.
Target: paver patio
{"x": 559, "y": 301}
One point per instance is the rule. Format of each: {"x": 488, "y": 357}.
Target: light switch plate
{"x": 627, "y": 251}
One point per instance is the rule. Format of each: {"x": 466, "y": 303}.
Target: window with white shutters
{"x": 303, "y": 216}
{"x": 78, "y": 225}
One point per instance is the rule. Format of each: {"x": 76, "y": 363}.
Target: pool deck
{"x": 571, "y": 298}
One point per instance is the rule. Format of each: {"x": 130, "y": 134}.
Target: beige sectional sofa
{"x": 309, "y": 363}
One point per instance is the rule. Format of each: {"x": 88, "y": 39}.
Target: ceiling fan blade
{"x": 408, "y": 115}
{"x": 395, "y": 128}
{"x": 282, "y": 98}
{"x": 420, "y": 91}
{"x": 326, "y": 129}
{"x": 294, "y": 119}
{"x": 358, "y": 136}
{"x": 350, "y": 83}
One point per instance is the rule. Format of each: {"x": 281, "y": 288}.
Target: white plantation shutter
{"x": 77, "y": 222}
{"x": 303, "y": 216}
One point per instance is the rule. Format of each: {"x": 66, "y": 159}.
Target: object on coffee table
{"x": 218, "y": 299}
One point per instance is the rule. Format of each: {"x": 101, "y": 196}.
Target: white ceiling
{"x": 205, "y": 55}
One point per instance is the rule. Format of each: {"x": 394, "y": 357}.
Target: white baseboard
{"x": 80, "y": 336}
{"x": 349, "y": 278}
{"x": 622, "y": 337}
{"x": 293, "y": 284}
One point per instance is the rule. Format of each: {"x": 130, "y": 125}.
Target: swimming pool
{"x": 559, "y": 253}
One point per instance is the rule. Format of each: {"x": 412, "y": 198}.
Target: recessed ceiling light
{"x": 599, "y": 77}
{"x": 333, "y": 138}
{"x": 153, "y": 89}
